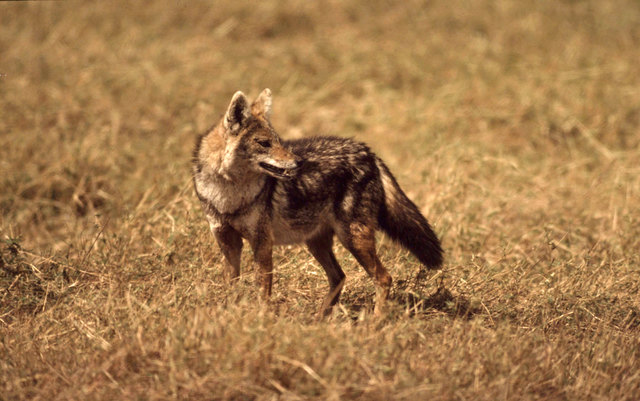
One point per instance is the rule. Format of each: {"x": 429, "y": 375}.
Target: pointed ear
{"x": 237, "y": 113}
{"x": 262, "y": 104}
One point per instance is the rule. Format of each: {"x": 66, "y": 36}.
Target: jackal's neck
{"x": 211, "y": 152}
{"x": 219, "y": 157}
{"x": 228, "y": 196}
{"x": 222, "y": 180}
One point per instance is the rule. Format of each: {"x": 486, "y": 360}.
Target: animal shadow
{"x": 456, "y": 306}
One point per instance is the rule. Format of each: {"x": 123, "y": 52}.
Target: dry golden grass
{"x": 515, "y": 126}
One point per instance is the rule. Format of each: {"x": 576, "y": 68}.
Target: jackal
{"x": 255, "y": 186}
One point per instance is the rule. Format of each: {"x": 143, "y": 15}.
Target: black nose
{"x": 297, "y": 162}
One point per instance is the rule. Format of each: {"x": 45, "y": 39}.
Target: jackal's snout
{"x": 282, "y": 164}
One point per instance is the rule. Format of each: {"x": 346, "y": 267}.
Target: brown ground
{"x": 514, "y": 125}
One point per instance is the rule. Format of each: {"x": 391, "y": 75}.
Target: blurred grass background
{"x": 514, "y": 126}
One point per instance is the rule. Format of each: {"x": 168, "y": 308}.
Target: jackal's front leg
{"x": 262, "y": 246}
{"x": 230, "y": 243}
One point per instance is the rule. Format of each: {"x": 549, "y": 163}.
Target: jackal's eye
{"x": 264, "y": 143}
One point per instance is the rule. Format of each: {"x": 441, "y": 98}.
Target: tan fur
{"x": 254, "y": 186}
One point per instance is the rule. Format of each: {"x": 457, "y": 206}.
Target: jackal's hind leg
{"x": 230, "y": 243}
{"x": 321, "y": 249}
{"x": 360, "y": 240}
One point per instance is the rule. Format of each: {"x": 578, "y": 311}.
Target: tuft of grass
{"x": 514, "y": 126}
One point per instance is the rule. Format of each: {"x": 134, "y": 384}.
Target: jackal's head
{"x": 250, "y": 140}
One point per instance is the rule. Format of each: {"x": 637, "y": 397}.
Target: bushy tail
{"x": 403, "y": 222}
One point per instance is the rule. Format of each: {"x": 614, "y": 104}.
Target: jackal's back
{"x": 337, "y": 176}
{"x": 341, "y": 182}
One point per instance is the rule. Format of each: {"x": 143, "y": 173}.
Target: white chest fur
{"x": 227, "y": 196}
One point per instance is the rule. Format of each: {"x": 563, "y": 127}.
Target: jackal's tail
{"x": 403, "y": 222}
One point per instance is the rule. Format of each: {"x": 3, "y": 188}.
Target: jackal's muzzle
{"x": 281, "y": 170}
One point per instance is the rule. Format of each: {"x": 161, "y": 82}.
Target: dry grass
{"x": 514, "y": 125}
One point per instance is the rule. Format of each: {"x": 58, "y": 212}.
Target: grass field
{"x": 513, "y": 125}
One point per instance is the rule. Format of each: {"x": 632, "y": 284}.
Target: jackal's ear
{"x": 237, "y": 113}
{"x": 262, "y": 104}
